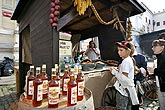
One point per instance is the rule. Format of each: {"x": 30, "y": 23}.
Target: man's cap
{"x": 124, "y": 44}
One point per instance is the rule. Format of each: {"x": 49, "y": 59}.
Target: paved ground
{"x": 9, "y": 98}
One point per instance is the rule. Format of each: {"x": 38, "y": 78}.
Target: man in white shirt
{"x": 92, "y": 52}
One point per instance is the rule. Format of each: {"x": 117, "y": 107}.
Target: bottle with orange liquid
{"x": 53, "y": 91}
{"x": 72, "y": 90}
{"x": 80, "y": 84}
{"x": 30, "y": 80}
{"x": 37, "y": 83}
{"x": 65, "y": 80}
{"x": 45, "y": 82}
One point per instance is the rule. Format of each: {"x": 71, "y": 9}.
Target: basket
{"x": 88, "y": 67}
{"x": 99, "y": 66}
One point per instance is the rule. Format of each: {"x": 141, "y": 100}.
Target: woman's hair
{"x": 161, "y": 35}
{"x": 91, "y": 43}
{"x": 160, "y": 42}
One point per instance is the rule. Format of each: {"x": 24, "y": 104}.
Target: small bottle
{"x": 37, "y": 83}
{"x": 80, "y": 84}
{"x": 65, "y": 80}
{"x": 45, "y": 82}
{"x": 72, "y": 90}
{"x": 54, "y": 91}
{"x": 30, "y": 80}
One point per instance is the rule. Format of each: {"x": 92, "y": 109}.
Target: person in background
{"x": 92, "y": 52}
{"x": 161, "y": 36}
{"x": 140, "y": 74}
{"x": 124, "y": 84}
{"x": 158, "y": 47}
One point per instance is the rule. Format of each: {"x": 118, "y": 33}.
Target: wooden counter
{"x": 85, "y": 104}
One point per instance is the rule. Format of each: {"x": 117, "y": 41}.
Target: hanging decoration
{"x": 129, "y": 30}
{"x": 117, "y": 23}
{"x": 82, "y": 5}
{"x": 54, "y": 12}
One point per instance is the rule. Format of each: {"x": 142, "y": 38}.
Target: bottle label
{"x": 53, "y": 96}
{"x": 74, "y": 95}
{"x": 39, "y": 92}
{"x": 59, "y": 82}
{"x": 45, "y": 87}
{"x": 65, "y": 87}
{"x": 80, "y": 88}
{"x": 31, "y": 88}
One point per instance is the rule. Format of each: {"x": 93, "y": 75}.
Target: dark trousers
{"x": 135, "y": 107}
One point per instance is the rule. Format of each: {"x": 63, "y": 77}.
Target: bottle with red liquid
{"x": 57, "y": 73}
{"x": 80, "y": 84}
{"x": 65, "y": 80}
{"x": 37, "y": 83}
{"x": 53, "y": 91}
{"x": 72, "y": 90}
{"x": 30, "y": 80}
{"x": 45, "y": 82}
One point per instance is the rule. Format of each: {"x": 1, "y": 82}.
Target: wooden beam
{"x": 67, "y": 18}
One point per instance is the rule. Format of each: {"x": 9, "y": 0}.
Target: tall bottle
{"x": 37, "y": 95}
{"x": 45, "y": 82}
{"x": 72, "y": 90}
{"x": 57, "y": 74}
{"x": 54, "y": 91}
{"x": 80, "y": 84}
{"x": 65, "y": 80}
{"x": 30, "y": 80}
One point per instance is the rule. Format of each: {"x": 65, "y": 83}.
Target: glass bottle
{"x": 37, "y": 96}
{"x": 45, "y": 82}
{"x": 80, "y": 84}
{"x": 65, "y": 80}
{"x": 54, "y": 91}
{"x": 57, "y": 74}
{"x": 30, "y": 80}
{"x": 72, "y": 90}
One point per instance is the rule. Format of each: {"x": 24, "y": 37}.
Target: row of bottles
{"x": 39, "y": 88}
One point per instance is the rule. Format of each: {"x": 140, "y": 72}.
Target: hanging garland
{"x": 128, "y": 30}
{"x": 82, "y": 5}
{"x": 99, "y": 18}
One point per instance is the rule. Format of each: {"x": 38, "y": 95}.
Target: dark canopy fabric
{"x": 145, "y": 42}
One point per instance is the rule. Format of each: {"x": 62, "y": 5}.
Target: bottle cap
{"x": 32, "y": 66}
{"x": 44, "y": 66}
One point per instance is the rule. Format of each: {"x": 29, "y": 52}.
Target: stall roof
{"x": 126, "y": 8}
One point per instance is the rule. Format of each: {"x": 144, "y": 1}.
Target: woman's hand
{"x": 113, "y": 70}
{"x": 150, "y": 70}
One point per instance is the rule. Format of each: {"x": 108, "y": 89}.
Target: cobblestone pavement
{"x": 8, "y": 96}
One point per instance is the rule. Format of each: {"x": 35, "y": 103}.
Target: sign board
{"x": 65, "y": 48}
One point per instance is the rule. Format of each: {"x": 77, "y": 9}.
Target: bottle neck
{"x": 32, "y": 73}
{"x": 72, "y": 77}
{"x": 53, "y": 77}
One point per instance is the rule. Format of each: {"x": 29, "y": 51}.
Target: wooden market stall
{"x": 39, "y": 41}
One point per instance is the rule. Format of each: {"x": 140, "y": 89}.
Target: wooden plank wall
{"x": 44, "y": 39}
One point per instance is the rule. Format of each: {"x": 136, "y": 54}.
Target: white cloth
{"x": 143, "y": 71}
{"x": 91, "y": 54}
{"x": 125, "y": 82}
